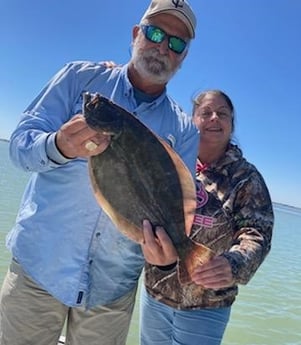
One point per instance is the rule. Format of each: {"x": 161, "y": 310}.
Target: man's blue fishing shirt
{"x": 62, "y": 238}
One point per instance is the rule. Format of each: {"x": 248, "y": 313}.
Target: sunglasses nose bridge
{"x": 164, "y": 44}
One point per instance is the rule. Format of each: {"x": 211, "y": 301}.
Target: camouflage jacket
{"x": 234, "y": 218}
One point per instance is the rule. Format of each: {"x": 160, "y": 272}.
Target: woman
{"x": 234, "y": 218}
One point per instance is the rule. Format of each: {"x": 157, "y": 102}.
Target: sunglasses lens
{"x": 176, "y": 44}
{"x": 155, "y": 34}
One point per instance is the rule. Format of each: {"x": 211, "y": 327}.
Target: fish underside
{"x": 140, "y": 177}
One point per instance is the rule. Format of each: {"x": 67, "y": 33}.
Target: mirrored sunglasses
{"x": 157, "y": 35}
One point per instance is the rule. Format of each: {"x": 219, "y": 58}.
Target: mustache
{"x": 153, "y": 55}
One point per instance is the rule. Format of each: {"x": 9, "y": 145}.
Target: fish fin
{"x": 193, "y": 255}
{"x": 187, "y": 185}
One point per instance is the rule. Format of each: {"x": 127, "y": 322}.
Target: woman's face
{"x": 213, "y": 117}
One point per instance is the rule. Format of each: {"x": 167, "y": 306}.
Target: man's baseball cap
{"x": 178, "y": 8}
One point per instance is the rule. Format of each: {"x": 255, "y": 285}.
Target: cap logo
{"x": 178, "y": 3}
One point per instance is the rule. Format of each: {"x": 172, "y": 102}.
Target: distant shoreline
{"x": 6, "y": 140}
{"x": 283, "y": 206}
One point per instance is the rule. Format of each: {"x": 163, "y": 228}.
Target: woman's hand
{"x": 214, "y": 274}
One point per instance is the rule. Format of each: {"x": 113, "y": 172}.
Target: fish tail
{"x": 192, "y": 255}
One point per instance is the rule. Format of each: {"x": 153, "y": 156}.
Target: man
{"x": 70, "y": 264}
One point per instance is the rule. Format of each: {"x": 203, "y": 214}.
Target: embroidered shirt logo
{"x": 171, "y": 140}
{"x": 202, "y": 199}
{"x": 202, "y": 196}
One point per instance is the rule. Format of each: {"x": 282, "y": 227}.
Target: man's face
{"x": 156, "y": 61}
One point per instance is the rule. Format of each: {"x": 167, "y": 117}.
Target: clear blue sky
{"x": 249, "y": 48}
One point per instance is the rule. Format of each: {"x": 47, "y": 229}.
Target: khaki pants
{"x": 30, "y": 316}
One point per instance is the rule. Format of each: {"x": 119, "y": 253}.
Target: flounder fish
{"x": 139, "y": 176}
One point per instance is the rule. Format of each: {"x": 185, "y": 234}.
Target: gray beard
{"x": 151, "y": 66}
